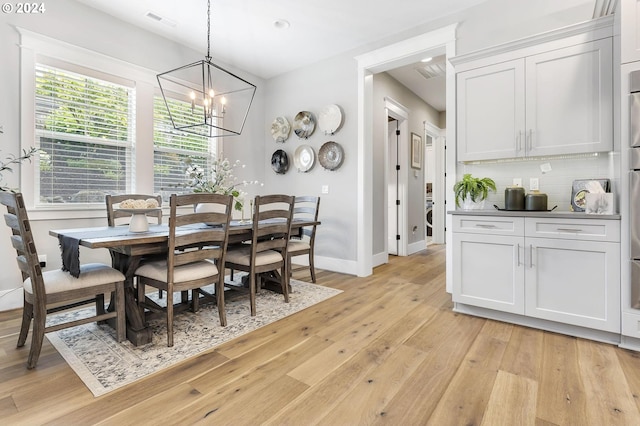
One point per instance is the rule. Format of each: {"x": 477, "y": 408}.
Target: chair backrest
{"x": 209, "y": 241}
{"x": 113, "y": 213}
{"x": 271, "y": 223}
{"x": 306, "y": 207}
{"x": 22, "y": 240}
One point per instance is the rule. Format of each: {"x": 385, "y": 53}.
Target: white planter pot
{"x": 468, "y": 204}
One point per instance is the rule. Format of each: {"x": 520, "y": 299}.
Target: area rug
{"x": 105, "y": 365}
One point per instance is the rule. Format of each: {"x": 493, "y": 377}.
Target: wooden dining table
{"x": 128, "y": 248}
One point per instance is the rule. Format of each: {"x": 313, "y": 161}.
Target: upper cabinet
{"x": 630, "y": 30}
{"x": 551, "y": 98}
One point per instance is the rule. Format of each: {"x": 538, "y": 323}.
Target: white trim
{"x": 378, "y": 60}
{"x": 398, "y": 111}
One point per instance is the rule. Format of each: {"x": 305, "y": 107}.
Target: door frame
{"x": 399, "y": 112}
{"x": 405, "y": 52}
{"x": 438, "y": 211}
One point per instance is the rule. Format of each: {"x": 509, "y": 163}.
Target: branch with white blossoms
{"x": 220, "y": 180}
{"x": 5, "y": 166}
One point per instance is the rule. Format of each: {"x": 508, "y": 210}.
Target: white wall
{"x": 310, "y": 89}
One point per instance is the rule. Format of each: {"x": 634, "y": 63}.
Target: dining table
{"x": 128, "y": 248}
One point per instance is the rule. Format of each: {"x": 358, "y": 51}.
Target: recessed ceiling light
{"x": 158, "y": 18}
{"x": 281, "y": 24}
{"x": 427, "y": 59}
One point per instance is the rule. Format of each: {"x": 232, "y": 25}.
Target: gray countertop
{"x": 523, "y": 213}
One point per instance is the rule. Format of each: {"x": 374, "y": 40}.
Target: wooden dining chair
{"x": 267, "y": 251}
{"x": 113, "y": 214}
{"x": 305, "y": 207}
{"x": 54, "y": 291}
{"x": 195, "y": 257}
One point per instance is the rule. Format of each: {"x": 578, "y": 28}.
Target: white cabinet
{"x": 555, "y": 269}
{"x": 551, "y": 103}
{"x": 630, "y": 30}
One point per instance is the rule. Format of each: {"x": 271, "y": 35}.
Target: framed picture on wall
{"x": 416, "y": 151}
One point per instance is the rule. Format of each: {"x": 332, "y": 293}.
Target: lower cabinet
{"x": 562, "y": 270}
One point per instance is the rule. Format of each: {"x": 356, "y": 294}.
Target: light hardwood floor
{"x": 387, "y": 350}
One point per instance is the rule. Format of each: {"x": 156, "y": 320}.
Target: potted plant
{"x": 472, "y": 191}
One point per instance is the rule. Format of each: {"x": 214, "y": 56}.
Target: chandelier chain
{"x": 208, "y": 30}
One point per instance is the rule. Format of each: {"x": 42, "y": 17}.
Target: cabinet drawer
{"x": 495, "y": 225}
{"x": 573, "y": 229}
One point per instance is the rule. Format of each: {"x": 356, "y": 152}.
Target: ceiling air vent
{"x": 156, "y": 17}
{"x": 432, "y": 70}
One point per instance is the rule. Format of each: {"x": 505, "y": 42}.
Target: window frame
{"x": 34, "y": 46}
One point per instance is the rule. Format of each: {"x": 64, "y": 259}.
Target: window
{"x": 84, "y": 128}
{"x": 172, "y": 147}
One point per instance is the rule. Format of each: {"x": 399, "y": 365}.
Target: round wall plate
{"x": 304, "y": 124}
{"x": 330, "y": 155}
{"x": 304, "y": 158}
{"x": 330, "y": 119}
{"x": 280, "y": 162}
{"x": 280, "y": 129}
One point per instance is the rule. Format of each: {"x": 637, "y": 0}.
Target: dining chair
{"x": 55, "y": 291}
{"x": 113, "y": 214}
{"x": 195, "y": 256}
{"x": 305, "y": 207}
{"x": 117, "y": 217}
{"x": 267, "y": 251}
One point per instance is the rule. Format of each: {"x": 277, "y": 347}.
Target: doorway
{"x": 395, "y": 189}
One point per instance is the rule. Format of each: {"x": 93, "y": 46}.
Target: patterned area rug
{"x": 105, "y": 365}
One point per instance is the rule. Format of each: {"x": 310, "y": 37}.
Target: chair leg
{"x": 284, "y": 282}
{"x": 220, "y": 300}
{"x": 252, "y": 293}
{"x": 140, "y": 291}
{"x": 170, "y": 316}
{"x": 100, "y": 304}
{"x": 27, "y": 315}
{"x": 312, "y": 268}
{"x": 37, "y": 336}
{"x": 121, "y": 323}
{"x": 195, "y": 300}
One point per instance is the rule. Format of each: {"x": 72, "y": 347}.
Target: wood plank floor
{"x": 388, "y": 350}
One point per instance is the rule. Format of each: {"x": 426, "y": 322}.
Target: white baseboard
{"x": 349, "y": 267}
{"x": 416, "y": 247}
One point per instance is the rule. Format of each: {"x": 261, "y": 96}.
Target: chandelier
{"x": 204, "y": 98}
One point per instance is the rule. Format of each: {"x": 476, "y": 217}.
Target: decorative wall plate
{"x": 330, "y": 119}
{"x": 304, "y": 158}
{"x": 280, "y": 162}
{"x": 304, "y": 124}
{"x": 280, "y": 129}
{"x": 330, "y": 155}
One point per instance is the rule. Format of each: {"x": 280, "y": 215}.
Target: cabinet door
{"x": 573, "y": 282}
{"x": 490, "y": 112}
{"x": 488, "y": 271}
{"x": 629, "y": 31}
{"x": 569, "y": 100}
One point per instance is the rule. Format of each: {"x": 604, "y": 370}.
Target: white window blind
{"x": 85, "y": 130}
{"x": 172, "y": 147}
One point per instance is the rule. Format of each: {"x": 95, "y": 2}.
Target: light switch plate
{"x": 325, "y": 189}
{"x": 533, "y": 184}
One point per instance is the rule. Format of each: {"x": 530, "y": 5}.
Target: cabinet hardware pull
{"x": 530, "y": 140}
{"x": 519, "y": 141}
{"x": 569, "y": 229}
{"x": 531, "y": 256}
{"x": 518, "y": 248}
{"x": 479, "y": 225}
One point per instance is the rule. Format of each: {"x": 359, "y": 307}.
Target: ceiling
{"x": 249, "y": 34}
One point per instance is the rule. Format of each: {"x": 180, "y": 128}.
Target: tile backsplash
{"x": 556, "y": 183}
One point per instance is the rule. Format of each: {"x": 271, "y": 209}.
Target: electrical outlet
{"x": 42, "y": 258}
{"x": 325, "y": 189}
{"x": 533, "y": 184}
{"x": 517, "y": 181}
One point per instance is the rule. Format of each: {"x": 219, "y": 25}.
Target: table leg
{"x": 137, "y": 331}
